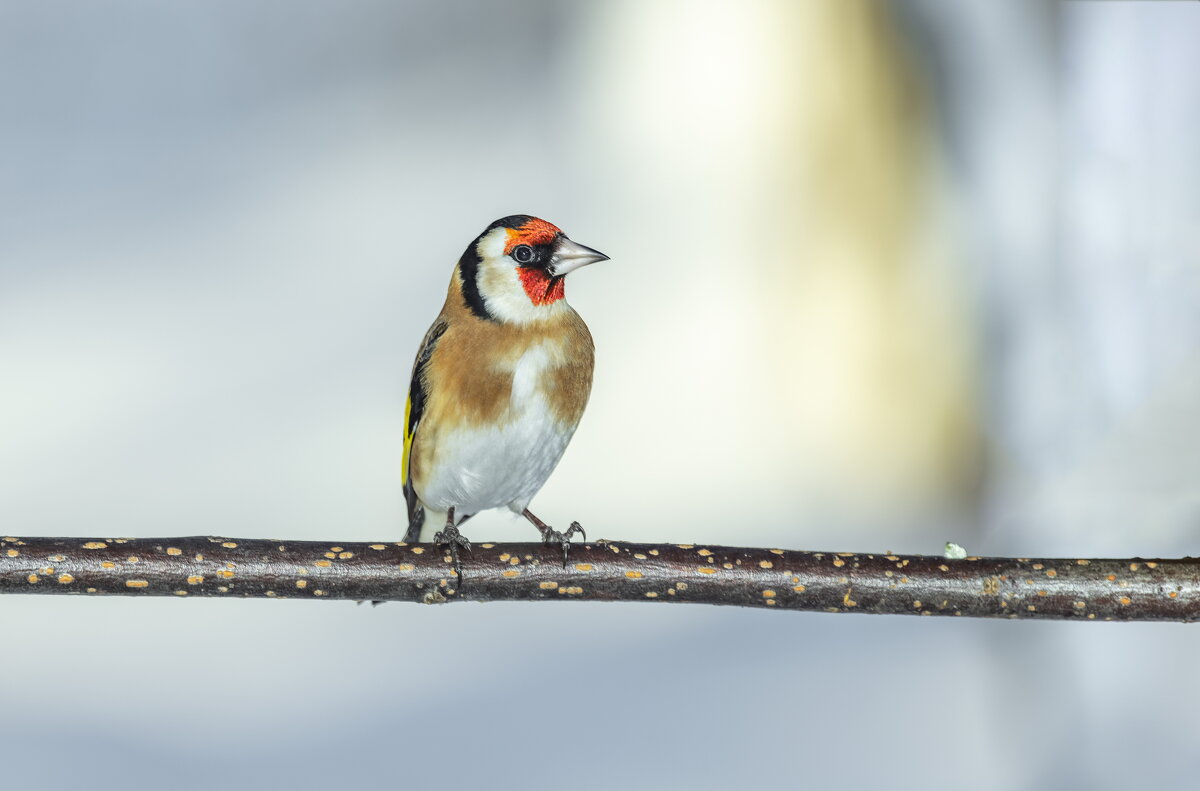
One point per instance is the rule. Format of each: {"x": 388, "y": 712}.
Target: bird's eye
{"x": 523, "y": 254}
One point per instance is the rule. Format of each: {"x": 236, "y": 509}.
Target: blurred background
{"x": 883, "y": 275}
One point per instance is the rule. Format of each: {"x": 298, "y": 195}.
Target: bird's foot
{"x": 450, "y": 538}
{"x": 551, "y": 536}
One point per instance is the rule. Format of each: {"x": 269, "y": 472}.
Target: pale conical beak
{"x": 569, "y": 256}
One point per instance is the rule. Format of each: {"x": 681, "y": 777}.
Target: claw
{"x": 450, "y": 538}
{"x": 551, "y": 536}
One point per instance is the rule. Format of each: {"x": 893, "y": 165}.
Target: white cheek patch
{"x": 501, "y": 287}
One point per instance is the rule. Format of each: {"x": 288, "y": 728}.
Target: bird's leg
{"x": 452, "y": 540}
{"x": 552, "y": 536}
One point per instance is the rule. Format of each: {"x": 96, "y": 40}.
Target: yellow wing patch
{"x": 408, "y": 439}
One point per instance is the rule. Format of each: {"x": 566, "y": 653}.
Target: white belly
{"x": 481, "y": 469}
{"x": 505, "y": 464}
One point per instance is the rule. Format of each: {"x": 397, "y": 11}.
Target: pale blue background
{"x": 224, "y": 227}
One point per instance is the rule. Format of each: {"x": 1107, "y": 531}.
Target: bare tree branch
{"x": 1078, "y": 589}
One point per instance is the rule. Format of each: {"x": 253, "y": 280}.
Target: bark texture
{"x": 1095, "y": 589}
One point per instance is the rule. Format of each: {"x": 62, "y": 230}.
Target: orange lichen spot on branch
{"x": 651, "y": 595}
{"x": 547, "y": 586}
{"x": 583, "y": 566}
{"x": 379, "y": 547}
{"x": 175, "y": 551}
{"x": 406, "y": 567}
{"x": 136, "y": 584}
{"x": 95, "y": 545}
{"x": 510, "y": 573}
{"x": 301, "y": 583}
{"x": 418, "y": 551}
{"x": 846, "y": 600}
{"x": 229, "y": 544}
{"x": 1051, "y": 573}
{"x": 322, "y": 563}
{"x": 65, "y": 579}
{"x": 707, "y": 570}
{"x": 345, "y": 555}
{"x": 776, "y": 551}
{"x": 12, "y": 553}
{"x": 839, "y": 562}
{"x": 195, "y": 579}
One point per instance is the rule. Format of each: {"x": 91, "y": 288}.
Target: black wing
{"x": 418, "y": 395}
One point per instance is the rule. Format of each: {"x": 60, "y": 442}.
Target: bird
{"x": 499, "y": 384}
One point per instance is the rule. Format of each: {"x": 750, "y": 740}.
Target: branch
{"x": 1084, "y": 589}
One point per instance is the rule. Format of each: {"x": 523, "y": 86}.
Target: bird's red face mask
{"x": 544, "y": 256}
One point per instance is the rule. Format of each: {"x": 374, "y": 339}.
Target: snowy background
{"x": 882, "y": 276}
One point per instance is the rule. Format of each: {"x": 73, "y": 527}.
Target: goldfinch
{"x": 499, "y": 384}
